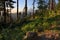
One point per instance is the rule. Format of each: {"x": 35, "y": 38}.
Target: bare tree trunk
{"x": 33, "y": 7}
{"x": 25, "y": 7}
{"x": 10, "y": 15}
{"x": 4, "y": 14}
{"x": 17, "y": 8}
{"x": 51, "y": 4}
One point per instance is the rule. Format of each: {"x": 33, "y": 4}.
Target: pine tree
{"x": 17, "y": 8}
{"x": 42, "y": 6}
{"x": 5, "y": 5}
{"x": 25, "y": 7}
{"x": 33, "y": 7}
{"x": 58, "y": 5}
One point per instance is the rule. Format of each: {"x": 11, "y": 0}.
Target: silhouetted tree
{"x": 17, "y": 7}
{"x": 25, "y": 7}
{"x": 11, "y": 3}
{"x": 33, "y": 7}
{"x": 5, "y": 4}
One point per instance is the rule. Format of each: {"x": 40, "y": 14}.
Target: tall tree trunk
{"x": 17, "y": 8}
{"x": 4, "y": 14}
{"x": 33, "y": 7}
{"x": 25, "y": 7}
{"x": 10, "y": 15}
{"x": 51, "y": 4}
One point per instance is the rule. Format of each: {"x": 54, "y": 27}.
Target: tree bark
{"x": 33, "y": 7}
{"x": 25, "y": 7}
{"x": 17, "y": 8}
{"x": 4, "y": 14}
{"x": 51, "y": 4}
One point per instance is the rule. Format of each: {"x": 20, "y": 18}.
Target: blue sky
{"x": 22, "y": 4}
